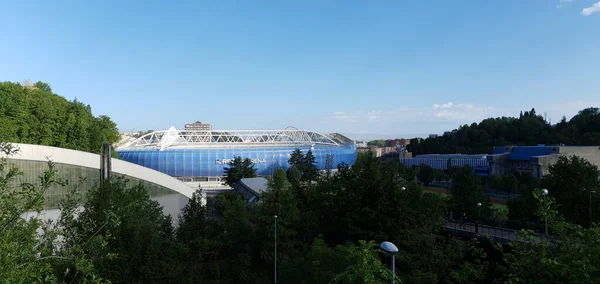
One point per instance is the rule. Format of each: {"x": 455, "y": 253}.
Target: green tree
{"x": 193, "y": 219}
{"x": 554, "y": 260}
{"x": 569, "y": 181}
{"x": 466, "y": 192}
{"x": 305, "y": 170}
{"x": 365, "y": 267}
{"x": 34, "y": 115}
{"x": 426, "y": 174}
{"x": 527, "y": 129}
{"x": 279, "y": 180}
{"x": 28, "y": 246}
{"x": 377, "y": 143}
{"x": 238, "y": 169}
{"x": 128, "y": 238}
{"x": 280, "y": 201}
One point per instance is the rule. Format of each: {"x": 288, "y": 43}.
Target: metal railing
{"x": 474, "y": 229}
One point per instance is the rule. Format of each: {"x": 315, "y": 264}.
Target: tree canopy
{"x": 238, "y": 169}
{"x": 529, "y": 128}
{"x": 35, "y": 115}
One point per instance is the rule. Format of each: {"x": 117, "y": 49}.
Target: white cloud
{"x": 591, "y": 10}
{"x": 561, "y": 3}
{"x": 404, "y": 121}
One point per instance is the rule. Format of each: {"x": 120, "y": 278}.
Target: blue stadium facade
{"x": 206, "y": 153}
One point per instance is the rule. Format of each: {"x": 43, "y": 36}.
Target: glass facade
{"x": 80, "y": 178}
{"x": 205, "y": 162}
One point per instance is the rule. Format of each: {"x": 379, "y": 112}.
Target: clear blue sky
{"x": 364, "y": 68}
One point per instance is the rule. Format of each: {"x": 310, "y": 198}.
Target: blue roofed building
{"x": 478, "y": 162}
{"x": 536, "y": 159}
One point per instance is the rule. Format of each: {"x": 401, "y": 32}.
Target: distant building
{"x": 198, "y": 126}
{"x": 377, "y": 151}
{"x": 251, "y": 188}
{"x": 536, "y": 159}
{"x": 478, "y": 162}
{"x": 398, "y": 142}
{"x": 361, "y": 144}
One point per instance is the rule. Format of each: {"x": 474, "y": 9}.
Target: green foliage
{"x": 279, "y": 180}
{"x": 239, "y": 169}
{"x": 27, "y": 245}
{"x": 528, "y": 129}
{"x": 19, "y": 261}
{"x": 282, "y": 202}
{"x": 377, "y": 143}
{"x": 35, "y": 115}
{"x": 365, "y": 266}
{"x": 126, "y": 234}
{"x": 426, "y": 174}
{"x": 193, "y": 219}
{"x": 466, "y": 192}
{"x": 304, "y": 169}
{"x": 570, "y": 257}
{"x": 569, "y": 181}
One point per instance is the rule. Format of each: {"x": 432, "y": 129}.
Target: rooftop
{"x": 257, "y": 184}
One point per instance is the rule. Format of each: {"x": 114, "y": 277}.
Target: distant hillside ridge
{"x": 527, "y": 129}
{"x": 33, "y": 114}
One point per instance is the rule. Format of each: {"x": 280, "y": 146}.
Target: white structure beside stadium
{"x": 174, "y": 193}
{"x": 89, "y": 160}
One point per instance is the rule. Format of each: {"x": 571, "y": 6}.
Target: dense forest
{"x": 327, "y": 232}
{"x": 33, "y": 114}
{"x": 529, "y": 128}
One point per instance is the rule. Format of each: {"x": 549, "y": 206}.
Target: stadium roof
{"x": 174, "y": 138}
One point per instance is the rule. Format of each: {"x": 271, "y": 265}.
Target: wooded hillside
{"x": 528, "y": 129}
{"x": 35, "y": 115}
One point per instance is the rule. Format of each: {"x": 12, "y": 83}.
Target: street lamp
{"x": 591, "y": 191}
{"x": 391, "y": 249}
{"x": 545, "y": 194}
{"x": 275, "y": 267}
{"x": 403, "y": 188}
{"x": 477, "y": 220}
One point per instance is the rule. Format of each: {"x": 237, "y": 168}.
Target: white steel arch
{"x": 174, "y": 138}
{"x": 84, "y": 159}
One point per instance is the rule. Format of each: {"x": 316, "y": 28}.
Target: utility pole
{"x": 275, "y": 267}
{"x": 105, "y": 162}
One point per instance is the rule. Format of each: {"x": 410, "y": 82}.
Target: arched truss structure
{"x": 174, "y": 138}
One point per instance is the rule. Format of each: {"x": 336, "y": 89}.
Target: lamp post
{"x": 545, "y": 194}
{"x": 591, "y": 191}
{"x": 275, "y": 267}
{"x": 391, "y": 249}
{"x": 477, "y": 220}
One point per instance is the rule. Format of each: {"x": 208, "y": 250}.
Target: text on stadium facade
{"x": 227, "y": 161}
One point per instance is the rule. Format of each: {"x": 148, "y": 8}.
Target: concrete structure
{"x": 536, "y": 159}
{"x": 198, "y": 126}
{"x": 205, "y": 154}
{"x": 82, "y": 169}
{"x": 251, "y": 188}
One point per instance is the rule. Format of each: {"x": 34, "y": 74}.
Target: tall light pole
{"x": 477, "y": 220}
{"x": 545, "y": 194}
{"x": 275, "y": 267}
{"x": 591, "y": 191}
{"x": 391, "y": 249}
